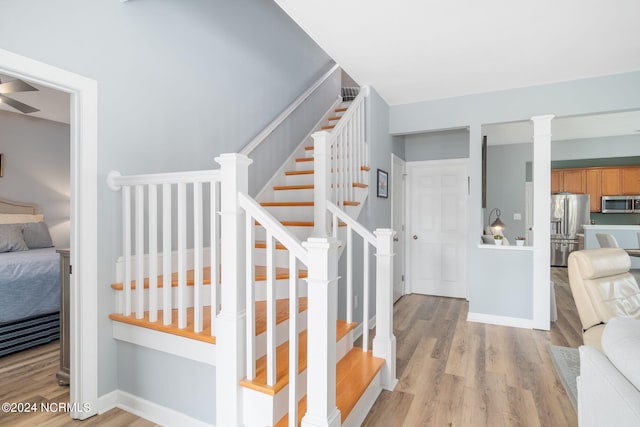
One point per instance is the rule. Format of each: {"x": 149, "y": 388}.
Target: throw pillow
{"x": 36, "y": 235}
{"x": 11, "y": 239}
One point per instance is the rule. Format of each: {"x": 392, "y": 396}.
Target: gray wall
{"x": 178, "y": 84}
{"x": 594, "y": 148}
{"x": 586, "y": 96}
{"x": 36, "y": 170}
{"x": 449, "y": 144}
{"x": 506, "y": 173}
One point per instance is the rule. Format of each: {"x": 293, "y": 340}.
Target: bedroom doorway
{"x": 83, "y": 220}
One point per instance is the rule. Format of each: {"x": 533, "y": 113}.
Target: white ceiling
{"x": 566, "y": 128}
{"x": 416, "y": 50}
{"x": 53, "y": 104}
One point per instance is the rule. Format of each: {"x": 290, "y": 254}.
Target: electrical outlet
{"x": 355, "y": 301}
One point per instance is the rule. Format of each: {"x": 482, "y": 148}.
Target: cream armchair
{"x": 602, "y": 288}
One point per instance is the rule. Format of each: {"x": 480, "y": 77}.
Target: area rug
{"x": 567, "y": 363}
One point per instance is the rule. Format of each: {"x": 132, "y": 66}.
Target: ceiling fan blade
{"x": 24, "y": 108}
{"x": 15, "y": 86}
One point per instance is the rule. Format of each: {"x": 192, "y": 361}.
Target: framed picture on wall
{"x": 383, "y": 184}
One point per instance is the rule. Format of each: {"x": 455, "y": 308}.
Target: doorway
{"x": 397, "y": 223}
{"x": 437, "y": 227}
{"x": 83, "y": 217}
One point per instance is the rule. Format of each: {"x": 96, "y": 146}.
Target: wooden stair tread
{"x": 301, "y": 223}
{"x": 327, "y": 127}
{"x": 354, "y": 373}
{"x": 302, "y": 172}
{"x": 365, "y": 168}
{"x": 282, "y": 273}
{"x": 294, "y": 187}
{"x": 350, "y": 203}
{"x": 360, "y": 185}
{"x": 275, "y": 204}
{"x": 334, "y": 118}
{"x": 282, "y": 314}
{"x": 259, "y": 383}
{"x": 206, "y": 280}
{"x": 340, "y": 110}
{"x": 309, "y": 147}
{"x": 304, "y": 159}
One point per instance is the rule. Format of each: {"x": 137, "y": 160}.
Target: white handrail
{"x": 286, "y": 113}
{"x": 115, "y": 181}
{"x": 269, "y": 222}
{"x": 355, "y": 225}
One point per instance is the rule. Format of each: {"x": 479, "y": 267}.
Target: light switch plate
{"x": 517, "y": 217}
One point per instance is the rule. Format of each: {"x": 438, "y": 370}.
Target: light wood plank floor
{"x": 451, "y": 372}
{"x": 456, "y": 373}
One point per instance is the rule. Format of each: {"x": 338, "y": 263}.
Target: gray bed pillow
{"x": 11, "y": 239}
{"x": 36, "y": 235}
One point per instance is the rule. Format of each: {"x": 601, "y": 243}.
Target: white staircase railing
{"x": 384, "y": 344}
{"x": 141, "y": 215}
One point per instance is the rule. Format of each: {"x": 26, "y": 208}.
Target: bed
{"x": 29, "y": 285}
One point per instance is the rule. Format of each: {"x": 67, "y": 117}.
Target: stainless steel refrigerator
{"x": 569, "y": 212}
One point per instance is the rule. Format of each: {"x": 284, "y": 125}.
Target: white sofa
{"x": 609, "y": 383}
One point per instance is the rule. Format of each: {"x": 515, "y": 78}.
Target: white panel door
{"x": 438, "y": 221}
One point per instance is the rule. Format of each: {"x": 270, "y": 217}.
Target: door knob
{"x": 415, "y": 237}
{"x": 396, "y": 239}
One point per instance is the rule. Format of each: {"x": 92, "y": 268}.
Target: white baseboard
{"x": 515, "y": 322}
{"x": 146, "y": 409}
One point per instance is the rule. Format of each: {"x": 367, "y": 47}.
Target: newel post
{"x": 321, "y": 342}
{"x": 230, "y": 332}
{"x": 321, "y": 182}
{"x": 384, "y": 344}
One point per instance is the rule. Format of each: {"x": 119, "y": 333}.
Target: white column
{"x": 541, "y": 202}
{"x": 321, "y": 329}
{"x": 230, "y": 325}
{"x": 321, "y": 182}
{"x": 384, "y": 344}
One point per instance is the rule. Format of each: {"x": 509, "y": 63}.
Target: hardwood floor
{"x": 457, "y": 373}
{"x": 452, "y": 372}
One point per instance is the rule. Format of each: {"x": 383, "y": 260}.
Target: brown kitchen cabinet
{"x": 568, "y": 180}
{"x": 611, "y": 182}
{"x": 594, "y": 188}
{"x": 630, "y": 180}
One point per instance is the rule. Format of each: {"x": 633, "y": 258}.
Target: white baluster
{"x": 126, "y": 242}
{"x": 182, "y": 255}
{"x": 197, "y": 257}
{"x": 293, "y": 341}
{"x": 365, "y": 295}
{"x": 139, "y": 213}
{"x": 153, "y": 253}
{"x": 271, "y": 311}
{"x": 215, "y": 253}
{"x": 251, "y": 305}
{"x": 166, "y": 254}
{"x": 349, "y": 249}
{"x": 321, "y": 333}
{"x": 384, "y": 344}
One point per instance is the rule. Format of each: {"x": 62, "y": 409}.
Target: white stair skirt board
{"x": 267, "y": 409}
{"x": 168, "y": 343}
{"x": 366, "y": 401}
{"x": 515, "y": 322}
{"x": 146, "y": 409}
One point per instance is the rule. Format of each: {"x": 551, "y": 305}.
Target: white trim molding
{"x": 146, "y": 409}
{"x": 515, "y": 322}
{"x": 84, "y": 209}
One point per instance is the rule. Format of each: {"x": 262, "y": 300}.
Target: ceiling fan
{"x": 12, "y": 87}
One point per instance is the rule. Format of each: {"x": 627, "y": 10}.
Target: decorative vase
{"x": 497, "y": 241}
{"x": 520, "y": 242}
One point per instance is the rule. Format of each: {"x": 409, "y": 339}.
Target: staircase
{"x": 233, "y": 290}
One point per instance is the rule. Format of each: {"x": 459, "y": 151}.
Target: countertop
{"x": 611, "y": 227}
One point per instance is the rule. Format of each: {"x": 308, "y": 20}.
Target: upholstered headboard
{"x": 12, "y": 207}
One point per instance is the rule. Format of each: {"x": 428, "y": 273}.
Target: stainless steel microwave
{"x": 620, "y": 204}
